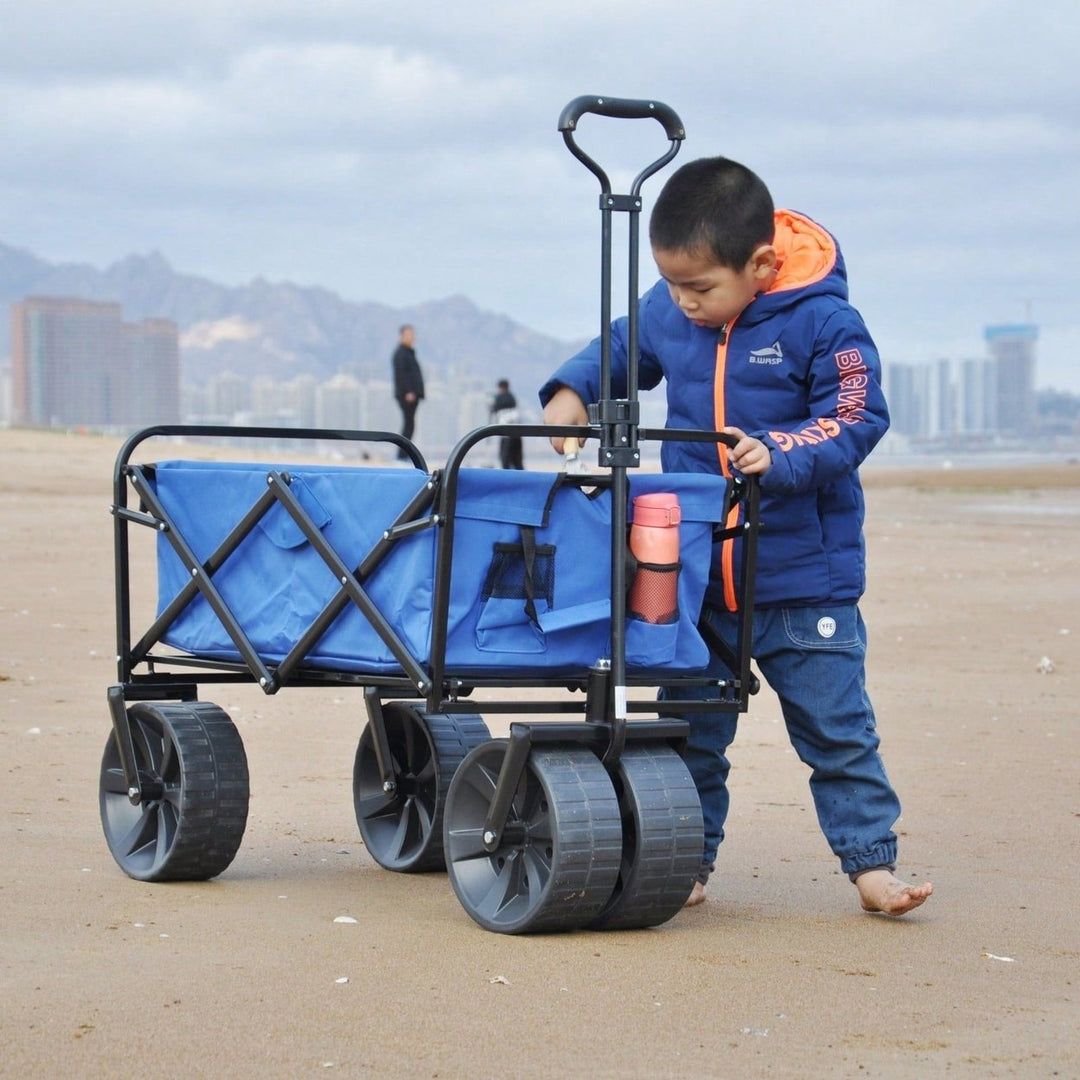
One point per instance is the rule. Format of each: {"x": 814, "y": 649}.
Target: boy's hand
{"x": 565, "y": 407}
{"x": 750, "y": 456}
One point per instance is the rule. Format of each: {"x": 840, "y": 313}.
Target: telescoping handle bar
{"x": 618, "y": 418}
{"x": 618, "y": 446}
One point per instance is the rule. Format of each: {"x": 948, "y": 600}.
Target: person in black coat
{"x": 408, "y": 383}
{"x": 504, "y": 411}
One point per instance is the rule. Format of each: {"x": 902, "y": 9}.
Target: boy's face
{"x": 709, "y": 294}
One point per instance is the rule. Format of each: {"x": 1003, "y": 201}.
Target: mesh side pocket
{"x": 519, "y": 587}
{"x": 513, "y": 575}
{"x": 654, "y": 594}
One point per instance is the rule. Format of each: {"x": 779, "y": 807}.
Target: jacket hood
{"x": 809, "y": 261}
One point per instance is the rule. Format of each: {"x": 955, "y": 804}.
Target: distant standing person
{"x": 408, "y": 383}
{"x": 504, "y": 411}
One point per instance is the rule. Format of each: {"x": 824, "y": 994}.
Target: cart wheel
{"x": 403, "y": 828}
{"x": 559, "y": 856}
{"x": 662, "y": 837}
{"x": 194, "y": 776}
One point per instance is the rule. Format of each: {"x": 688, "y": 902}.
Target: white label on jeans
{"x": 826, "y": 627}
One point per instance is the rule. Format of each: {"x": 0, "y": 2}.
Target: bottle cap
{"x": 658, "y": 510}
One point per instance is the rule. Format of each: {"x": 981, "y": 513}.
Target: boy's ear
{"x": 763, "y": 262}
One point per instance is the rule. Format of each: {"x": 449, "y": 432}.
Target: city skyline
{"x": 140, "y": 280}
{"x": 971, "y": 399}
{"x": 78, "y": 362}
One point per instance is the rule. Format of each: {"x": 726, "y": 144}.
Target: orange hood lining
{"x": 805, "y": 251}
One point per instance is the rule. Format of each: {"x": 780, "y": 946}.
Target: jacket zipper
{"x": 727, "y": 550}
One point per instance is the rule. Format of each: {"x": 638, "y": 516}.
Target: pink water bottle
{"x": 654, "y": 543}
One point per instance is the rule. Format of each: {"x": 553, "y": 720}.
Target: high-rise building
{"x": 943, "y": 398}
{"x": 299, "y": 395}
{"x": 906, "y": 404}
{"x": 226, "y": 395}
{"x": 1012, "y": 348}
{"x": 151, "y": 394}
{"x": 340, "y": 403}
{"x": 78, "y": 362}
{"x": 978, "y": 396}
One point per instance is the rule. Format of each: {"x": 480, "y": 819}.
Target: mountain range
{"x": 281, "y": 330}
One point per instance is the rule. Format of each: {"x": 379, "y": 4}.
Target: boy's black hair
{"x": 714, "y": 206}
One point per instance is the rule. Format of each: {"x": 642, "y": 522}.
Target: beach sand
{"x": 974, "y": 594}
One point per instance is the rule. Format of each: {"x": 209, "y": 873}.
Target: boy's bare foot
{"x": 697, "y": 895}
{"x": 881, "y": 890}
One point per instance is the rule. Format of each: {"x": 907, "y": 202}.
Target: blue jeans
{"x": 814, "y": 659}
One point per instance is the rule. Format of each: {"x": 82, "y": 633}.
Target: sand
{"x": 974, "y": 594}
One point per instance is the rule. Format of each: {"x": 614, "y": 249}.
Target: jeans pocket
{"x": 832, "y": 627}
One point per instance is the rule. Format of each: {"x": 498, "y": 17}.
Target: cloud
{"x": 401, "y": 152}
{"x": 212, "y": 332}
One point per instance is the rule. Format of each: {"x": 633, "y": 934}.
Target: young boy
{"x": 751, "y": 328}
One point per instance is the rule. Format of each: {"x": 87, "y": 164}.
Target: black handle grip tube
{"x": 624, "y": 109}
{"x": 605, "y": 304}
{"x": 632, "y": 351}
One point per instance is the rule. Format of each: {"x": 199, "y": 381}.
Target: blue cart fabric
{"x": 530, "y": 582}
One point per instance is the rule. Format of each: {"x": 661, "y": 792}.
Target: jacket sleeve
{"x": 848, "y": 414}
{"x": 582, "y": 372}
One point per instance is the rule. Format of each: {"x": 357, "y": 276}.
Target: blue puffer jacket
{"x": 798, "y": 370}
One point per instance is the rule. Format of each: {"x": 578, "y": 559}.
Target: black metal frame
{"x": 612, "y": 422}
{"x": 145, "y": 672}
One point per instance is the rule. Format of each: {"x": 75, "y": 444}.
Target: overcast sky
{"x": 405, "y": 151}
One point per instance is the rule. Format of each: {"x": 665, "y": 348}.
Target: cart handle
{"x": 624, "y": 109}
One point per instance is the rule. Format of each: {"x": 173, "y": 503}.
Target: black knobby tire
{"x": 402, "y": 828}
{"x": 194, "y": 773}
{"x": 559, "y": 856}
{"x": 662, "y": 834}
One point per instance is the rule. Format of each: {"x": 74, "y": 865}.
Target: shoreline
{"x": 950, "y": 472}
